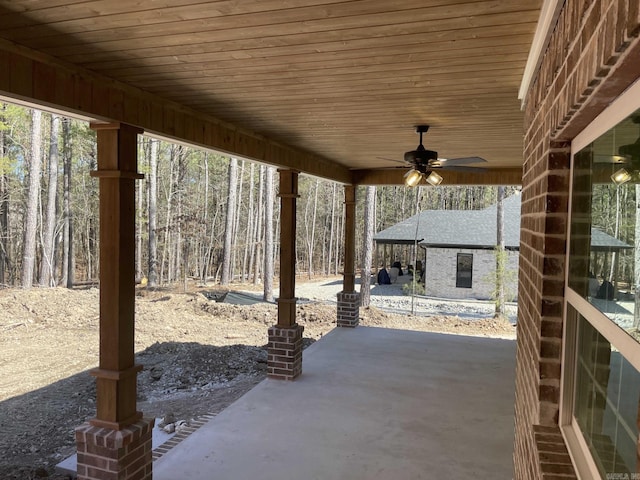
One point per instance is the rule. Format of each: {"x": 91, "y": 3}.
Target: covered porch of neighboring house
{"x": 373, "y": 403}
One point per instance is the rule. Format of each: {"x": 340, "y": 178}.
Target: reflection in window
{"x": 464, "y": 270}
{"x": 606, "y": 402}
{"x": 605, "y": 262}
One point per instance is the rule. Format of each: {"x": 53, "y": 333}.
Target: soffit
{"x": 346, "y": 80}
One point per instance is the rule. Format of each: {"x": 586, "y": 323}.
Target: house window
{"x": 600, "y": 400}
{"x": 464, "y": 270}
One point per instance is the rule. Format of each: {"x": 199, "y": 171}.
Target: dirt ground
{"x": 198, "y": 356}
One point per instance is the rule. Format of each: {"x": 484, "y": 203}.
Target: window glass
{"x": 605, "y": 260}
{"x": 606, "y": 402}
{"x": 464, "y": 270}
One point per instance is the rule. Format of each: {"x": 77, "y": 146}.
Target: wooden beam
{"x": 395, "y": 176}
{"x": 41, "y": 81}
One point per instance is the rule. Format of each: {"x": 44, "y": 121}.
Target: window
{"x": 464, "y": 270}
{"x": 600, "y": 404}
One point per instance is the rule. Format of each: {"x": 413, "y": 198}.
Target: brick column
{"x": 349, "y": 299}
{"x": 348, "y": 309}
{"x": 106, "y": 454}
{"x": 284, "y": 360}
{"x": 115, "y": 445}
{"x": 285, "y": 352}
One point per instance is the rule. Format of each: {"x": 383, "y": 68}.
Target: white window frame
{"x": 585, "y": 466}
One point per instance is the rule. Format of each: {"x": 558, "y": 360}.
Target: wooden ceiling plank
{"x": 420, "y": 79}
{"x": 286, "y": 22}
{"x": 496, "y": 25}
{"x": 303, "y": 63}
{"x": 127, "y": 16}
{"x": 148, "y": 57}
{"x": 312, "y": 88}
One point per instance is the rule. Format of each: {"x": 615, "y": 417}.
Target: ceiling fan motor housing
{"x": 420, "y": 156}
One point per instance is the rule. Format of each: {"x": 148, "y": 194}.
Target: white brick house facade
{"x": 440, "y": 273}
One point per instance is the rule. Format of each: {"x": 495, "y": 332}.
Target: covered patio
{"x": 334, "y": 89}
{"x": 372, "y": 403}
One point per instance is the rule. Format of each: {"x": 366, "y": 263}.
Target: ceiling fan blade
{"x": 461, "y": 161}
{"x": 392, "y": 160}
{"x": 456, "y": 168}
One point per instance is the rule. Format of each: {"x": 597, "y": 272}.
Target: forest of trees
{"x": 190, "y": 206}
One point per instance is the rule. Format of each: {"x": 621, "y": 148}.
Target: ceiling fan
{"x": 425, "y": 163}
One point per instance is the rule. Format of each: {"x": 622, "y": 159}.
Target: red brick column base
{"x": 348, "y": 309}
{"x": 285, "y": 352}
{"x": 105, "y": 454}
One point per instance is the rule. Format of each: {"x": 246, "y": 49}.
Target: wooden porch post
{"x": 288, "y": 199}
{"x": 285, "y": 339}
{"x": 117, "y": 372}
{"x": 349, "y": 238}
{"x": 349, "y": 299}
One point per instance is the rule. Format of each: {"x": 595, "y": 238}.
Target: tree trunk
{"x": 250, "y": 234}
{"x": 68, "y": 264}
{"x": 35, "y": 154}
{"x": 331, "y": 226}
{"x": 228, "y": 231}
{"x": 140, "y": 214}
{"x": 152, "y": 274}
{"x": 259, "y": 234}
{"x": 167, "y": 227}
{"x": 367, "y": 246}
{"x": 236, "y": 223}
{"x": 204, "y": 252}
{"x": 501, "y": 256}
{"x": 636, "y": 263}
{"x": 47, "y": 273}
{"x": 268, "y": 234}
{"x": 312, "y": 240}
{"x": 4, "y": 201}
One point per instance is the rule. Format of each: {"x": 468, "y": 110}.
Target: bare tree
{"x": 251, "y": 222}
{"x": 636, "y": 262}
{"x": 152, "y": 274}
{"x": 367, "y": 245}
{"x": 31, "y": 219}
{"x": 231, "y": 213}
{"x": 258, "y": 233}
{"x": 4, "y": 199}
{"x": 501, "y": 256}
{"x": 47, "y": 274}
{"x": 68, "y": 262}
{"x": 268, "y": 234}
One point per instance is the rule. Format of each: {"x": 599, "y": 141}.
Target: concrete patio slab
{"x": 371, "y": 403}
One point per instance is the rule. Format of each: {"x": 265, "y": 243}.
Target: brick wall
{"x": 440, "y": 273}
{"x": 593, "y": 56}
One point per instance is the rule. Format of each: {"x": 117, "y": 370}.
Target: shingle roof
{"x": 471, "y": 229}
{"x": 460, "y": 228}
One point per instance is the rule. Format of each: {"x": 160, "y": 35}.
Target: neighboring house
{"x": 458, "y": 248}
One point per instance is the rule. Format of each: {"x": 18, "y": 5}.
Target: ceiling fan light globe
{"x": 412, "y": 178}
{"x": 434, "y": 179}
{"x": 621, "y": 176}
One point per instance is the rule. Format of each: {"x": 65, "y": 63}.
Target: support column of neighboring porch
{"x": 285, "y": 339}
{"x": 116, "y": 444}
{"x": 348, "y": 298}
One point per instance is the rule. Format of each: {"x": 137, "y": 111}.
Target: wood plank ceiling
{"x": 346, "y": 80}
